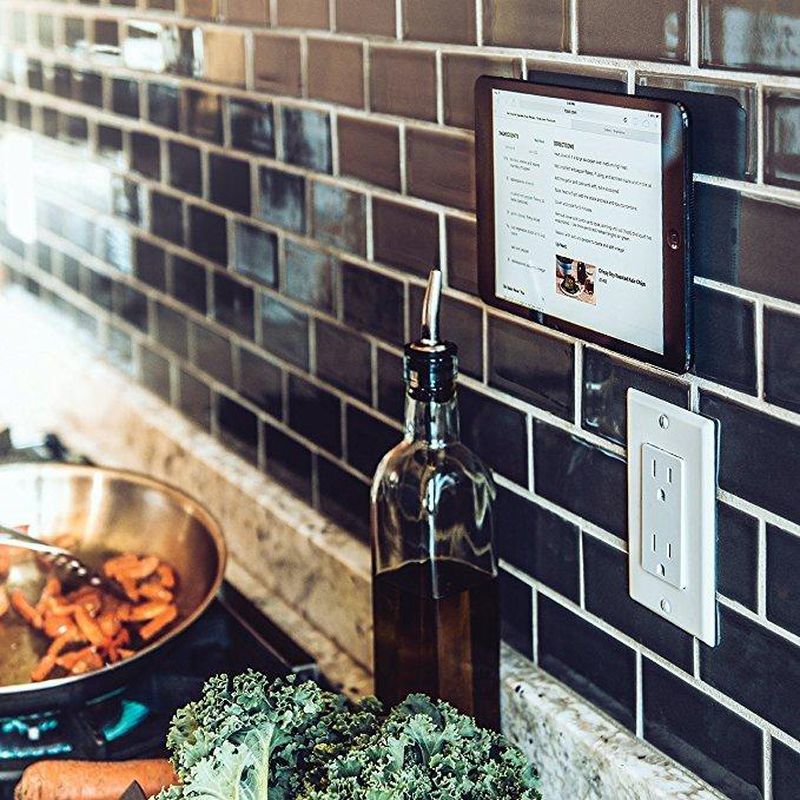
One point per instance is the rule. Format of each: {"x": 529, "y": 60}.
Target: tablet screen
{"x": 578, "y": 213}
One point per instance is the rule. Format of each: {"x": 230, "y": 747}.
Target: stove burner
{"x": 132, "y": 722}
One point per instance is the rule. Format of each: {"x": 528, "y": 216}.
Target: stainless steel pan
{"x": 109, "y": 511}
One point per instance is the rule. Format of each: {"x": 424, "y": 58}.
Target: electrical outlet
{"x": 663, "y": 515}
{"x": 672, "y": 513}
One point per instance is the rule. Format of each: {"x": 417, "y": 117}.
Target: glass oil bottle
{"x": 435, "y": 601}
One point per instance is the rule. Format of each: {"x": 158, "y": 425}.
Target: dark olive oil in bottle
{"x": 435, "y": 603}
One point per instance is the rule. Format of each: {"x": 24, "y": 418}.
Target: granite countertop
{"x": 307, "y": 574}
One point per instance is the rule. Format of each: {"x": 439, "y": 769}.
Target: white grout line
{"x": 761, "y": 574}
{"x": 574, "y": 40}
{"x": 639, "y": 712}
{"x": 694, "y": 32}
{"x": 767, "y": 766}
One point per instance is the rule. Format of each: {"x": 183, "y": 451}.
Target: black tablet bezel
{"x": 676, "y": 183}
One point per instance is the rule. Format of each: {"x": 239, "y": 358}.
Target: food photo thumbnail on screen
{"x": 576, "y": 279}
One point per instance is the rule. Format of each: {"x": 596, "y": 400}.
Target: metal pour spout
{"x": 430, "y": 308}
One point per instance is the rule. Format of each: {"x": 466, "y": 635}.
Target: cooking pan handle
{"x": 8, "y": 536}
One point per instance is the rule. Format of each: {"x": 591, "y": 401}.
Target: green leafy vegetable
{"x": 249, "y": 738}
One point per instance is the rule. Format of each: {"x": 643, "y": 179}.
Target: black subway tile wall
{"x": 246, "y": 228}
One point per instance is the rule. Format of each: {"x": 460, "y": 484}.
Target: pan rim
{"x": 211, "y": 525}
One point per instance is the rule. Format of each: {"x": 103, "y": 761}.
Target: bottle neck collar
{"x": 435, "y": 423}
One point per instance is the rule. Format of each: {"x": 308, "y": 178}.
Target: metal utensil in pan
{"x": 108, "y": 512}
{"x": 65, "y": 564}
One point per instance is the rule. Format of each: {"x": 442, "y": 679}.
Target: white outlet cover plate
{"x": 691, "y": 438}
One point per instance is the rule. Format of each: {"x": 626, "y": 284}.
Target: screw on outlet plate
{"x": 665, "y": 605}
{"x": 663, "y": 421}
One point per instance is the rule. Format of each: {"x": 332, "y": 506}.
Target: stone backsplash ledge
{"x": 309, "y": 574}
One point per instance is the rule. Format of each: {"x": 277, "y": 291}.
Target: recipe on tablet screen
{"x": 578, "y": 213}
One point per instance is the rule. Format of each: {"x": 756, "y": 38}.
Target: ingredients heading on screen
{"x": 85, "y": 629}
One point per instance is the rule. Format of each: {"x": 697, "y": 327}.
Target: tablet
{"x": 583, "y": 214}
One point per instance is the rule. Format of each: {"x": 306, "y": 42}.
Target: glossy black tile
{"x": 373, "y": 303}
{"x": 189, "y": 283}
{"x": 740, "y": 238}
{"x": 172, "y": 330}
{"x": 211, "y": 352}
{"x": 783, "y": 568}
{"x": 754, "y": 445}
{"x": 404, "y": 236}
{"x": 723, "y": 117}
{"x": 194, "y": 399}
{"x": 288, "y": 461}
{"x": 307, "y": 138}
{"x": 252, "y": 126}
{"x": 154, "y": 372}
{"x": 785, "y": 771}
{"x": 282, "y": 199}
{"x": 131, "y": 305}
{"x": 749, "y": 34}
{"x": 606, "y": 592}
{"x": 461, "y": 323}
{"x": 49, "y": 121}
{"x": 230, "y": 183}
{"x": 368, "y": 440}
{"x": 116, "y": 248}
{"x": 74, "y": 129}
{"x": 343, "y": 359}
{"x": 208, "y": 234}
{"x": 185, "y": 168}
{"x": 315, "y": 414}
{"x": 724, "y": 339}
{"x": 74, "y": 33}
{"x": 166, "y": 217}
{"x": 44, "y": 257}
{"x": 496, "y": 432}
{"x": 755, "y": 667}
{"x": 119, "y": 349}
{"x": 88, "y": 87}
{"x": 234, "y": 304}
{"x": 100, "y": 289}
{"x": 260, "y": 382}
{"x": 538, "y": 542}
{"x": 339, "y": 217}
{"x": 343, "y": 497}
{"x": 256, "y": 253}
{"x": 782, "y": 138}
{"x": 45, "y": 30}
{"x": 658, "y": 32}
{"x": 581, "y": 477}
{"x": 391, "y": 387}
{"x": 150, "y": 264}
{"x": 24, "y": 115}
{"x": 516, "y": 613}
{"x": 701, "y": 734}
{"x": 238, "y": 427}
{"x": 125, "y": 97}
{"x": 309, "y": 275}
{"x": 35, "y": 74}
{"x": 71, "y": 272}
{"x": 284, "y": 331}
{"x": 606, "y": 381}
{"x": 737, "y": 555}
{"x": 203, "y": 115}
{"x": 109, "y": 141}
{"x": 532, "y": 366}
{"x": 782, "y": 358}
{"x": 588, "y": 660}
{"x": 164, "y": 105}
{"x": 146, "y": 155}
